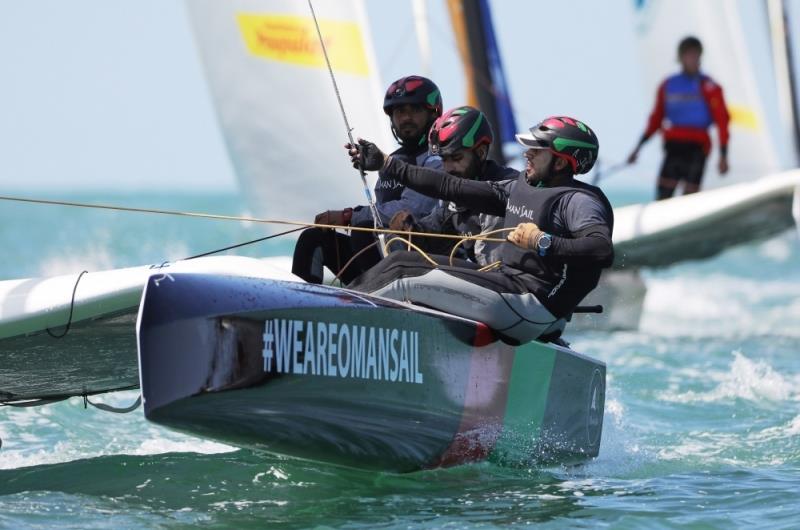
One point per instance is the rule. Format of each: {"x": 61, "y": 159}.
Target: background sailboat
{"x": 742, "y": 55}
{"x": 275, "y": 103}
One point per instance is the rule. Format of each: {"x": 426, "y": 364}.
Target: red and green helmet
{"x": 566, "y": 138}
{"x": 416, "y": 90}
{"x": 459, "y": 128}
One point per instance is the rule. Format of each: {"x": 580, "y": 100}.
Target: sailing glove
{"x": 526, "y": 235}
{"x": 366, "y": 155}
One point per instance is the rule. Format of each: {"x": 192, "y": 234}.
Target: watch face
{"x": 545, "y": 241}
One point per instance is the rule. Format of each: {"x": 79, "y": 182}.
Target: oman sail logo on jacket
{"x": 294, "y": 40}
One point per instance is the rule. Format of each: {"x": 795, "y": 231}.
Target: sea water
{"x": 702, "y": 425}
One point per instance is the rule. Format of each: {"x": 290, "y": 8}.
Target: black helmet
{"x": 459, "y": 128}
{"x": 567, "y": 138}
{"x": 413, "y": 89}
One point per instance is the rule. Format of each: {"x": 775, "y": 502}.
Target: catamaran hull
{"x": 74, "y": 334}
{"x": 331, "y": 375}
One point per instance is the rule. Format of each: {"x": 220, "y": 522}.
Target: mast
{"x": 480, "y": 55}
{"x": 785, "y": 80}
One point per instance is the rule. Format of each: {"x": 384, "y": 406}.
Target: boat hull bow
{"x": 332, "y": 375}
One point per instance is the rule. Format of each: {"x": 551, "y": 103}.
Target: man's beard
{"x": 472, "y": 171}
{"x": 542, "y": 175}
{"x": 411, "y": 137}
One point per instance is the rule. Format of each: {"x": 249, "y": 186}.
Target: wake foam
{"x": 721, "y": 305}
{"x": 746, "y": 379}
{"x": 64, "y": 432}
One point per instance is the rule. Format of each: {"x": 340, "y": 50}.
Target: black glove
{"x": 366, "y": 155}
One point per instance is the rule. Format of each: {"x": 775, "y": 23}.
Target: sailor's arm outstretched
{"x": 560, "y": 236}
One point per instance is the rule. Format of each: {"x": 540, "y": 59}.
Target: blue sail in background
{"x": 486, "y": 83}
{"x": 507, "y": 127}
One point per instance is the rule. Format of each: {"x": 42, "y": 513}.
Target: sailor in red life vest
{"x": 687, "y": 104}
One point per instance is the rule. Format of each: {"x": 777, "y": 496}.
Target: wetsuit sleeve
{"x": 480, "y": 196}
{"x": 588, "y": 221}
{"x": 719, "y": 112}
{"x": 657, "y": 115}
{"x": 418, "y": 204}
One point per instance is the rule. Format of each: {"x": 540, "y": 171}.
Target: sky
{"x": 110, "y": 95}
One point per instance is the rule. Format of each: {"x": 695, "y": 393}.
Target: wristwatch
{"x": 544, "y": 242}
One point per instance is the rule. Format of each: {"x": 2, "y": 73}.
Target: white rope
{"x": 376, "y": 220}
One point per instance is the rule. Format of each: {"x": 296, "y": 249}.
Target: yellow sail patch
{"x": 293, "y": 39}
{"x": 743, "y": 117}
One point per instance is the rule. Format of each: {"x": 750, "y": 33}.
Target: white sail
{"x": 276, "y": 104}
{"x": 737, "y": 54}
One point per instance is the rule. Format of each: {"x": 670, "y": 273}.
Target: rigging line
{"x": 110, "y": 408}
{"x": 413, "y": 246}
{"x": 141, "y": 210}
{"x": 375, "y": 218}
{"x": 71, "y": 309}
{"x": 218, "y": 217}
{"x": 34, "y": 401}
{"x": 351, "y": 260}
{"x": 260, "y": 239}
{"x": 465, "y": 239}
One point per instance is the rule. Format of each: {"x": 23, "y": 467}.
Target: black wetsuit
{"x": 510, "y": 300}
{"x": 449, "y": 218}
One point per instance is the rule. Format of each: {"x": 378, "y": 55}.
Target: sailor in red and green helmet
{"x": 559, "y": 240}
{"x": 558, "y": 137}
{"x": 412, "y": 103}
{"x": 462, "y": 138}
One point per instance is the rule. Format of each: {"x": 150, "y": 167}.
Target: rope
{"x": 237, "y": 218}
{"x": 412, "y": 245}
{"x": 71, "y": 309}
{"x": 243, "y": 244}
{"x": 491, "y": 266}
{"x": 468, "y": 238}
{"x": 109, "y": 408}
{"x": 351, "y": 260}
{"x": 10, "y": 401}
{"x": 601, "y": 173}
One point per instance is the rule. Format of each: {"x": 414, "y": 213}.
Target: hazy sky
{"x": 110, "y": 94}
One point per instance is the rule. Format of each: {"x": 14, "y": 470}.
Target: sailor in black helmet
{"x": 559, "y": 243}
{"x": 412, "y": 103}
